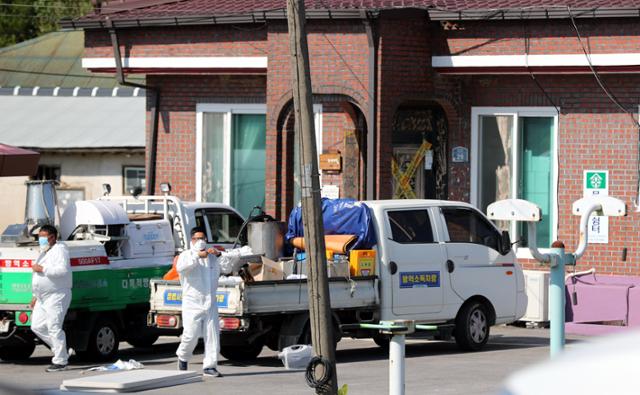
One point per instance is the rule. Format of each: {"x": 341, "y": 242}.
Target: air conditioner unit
{"x": 537, "y": 288}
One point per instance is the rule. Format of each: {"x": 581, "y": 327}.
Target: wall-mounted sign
{"x": 596, "y": 183}
{"x": 330, "y": 192}
{"x": 460, "y": 155}
{"x": 332, "y": 162}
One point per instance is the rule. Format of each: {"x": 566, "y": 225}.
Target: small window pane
{"x": 536, "y": 174}
{"x": 467, "y": 226}
{"x": 134, "y": 177}
{"x": 213, "y": 157}
{"x": 410, "y": 226}
{"x": 224, "y": 226}
{"x": 495, "y": 160}
{"x": 48, "y": 173}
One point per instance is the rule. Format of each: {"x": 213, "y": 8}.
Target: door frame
{"x": 475, "y": 158}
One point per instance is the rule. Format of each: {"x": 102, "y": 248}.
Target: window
{"x": 67, "y": 197}
{"x": 410, "y": 226}
{"x": 467, "y": 226}
{"x": 48, "y": 172}
{"x": 134, "y": 177}
{"x": 514, "y": 156}
{"x": 231, "y": 155}
{"x": 222, "y": 225}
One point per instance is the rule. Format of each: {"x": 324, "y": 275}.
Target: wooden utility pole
{"x": 319, "y": 301}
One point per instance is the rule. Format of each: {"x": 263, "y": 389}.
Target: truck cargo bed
{"x": 271, "y": 297}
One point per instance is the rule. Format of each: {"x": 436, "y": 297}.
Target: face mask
{"x": 43, "y": 242}
{"x": 199, "y": 245}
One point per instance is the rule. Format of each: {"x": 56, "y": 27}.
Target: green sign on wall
{"x": 596, "y": 179}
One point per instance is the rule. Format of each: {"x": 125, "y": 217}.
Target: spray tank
{"x": 41, "y": 209}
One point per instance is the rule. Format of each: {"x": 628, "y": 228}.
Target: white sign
{"x": 330, "y": 191}
{"x": 428, "y": 160}
{"x": 596, "y": 183}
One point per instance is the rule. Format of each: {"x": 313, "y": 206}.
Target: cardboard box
{"x": 268, "y": 270}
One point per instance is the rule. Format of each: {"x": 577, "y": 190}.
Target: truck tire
{"x": 143, "y": 340}
{"x": 472, "y": 326}
{"x": 246, "y": 352}
{"x": 104, "y": 340}
{"x": 17, "y": 352}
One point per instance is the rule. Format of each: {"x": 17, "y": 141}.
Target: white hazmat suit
{"x": 52, "y": 290}
{"x": 199, "y": 279}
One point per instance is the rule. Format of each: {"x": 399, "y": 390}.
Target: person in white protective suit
{"x": 51, "y": 285}
{"x": 199, "y": 271}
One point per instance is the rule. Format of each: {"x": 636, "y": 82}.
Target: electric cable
{"x": 601, "y": 83}
{"x": 322, "y": 381}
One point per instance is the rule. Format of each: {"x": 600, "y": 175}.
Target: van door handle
{"x": 450, "y": 266}
{"x": 393, "y": 267}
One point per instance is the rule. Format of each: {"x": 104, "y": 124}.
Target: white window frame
{"x": 516, "y": 113}
{"x": 228, "y": 110}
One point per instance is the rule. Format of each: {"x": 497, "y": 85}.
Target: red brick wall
{"x": 338, "y": 52}
{"x": 545, "y": 37}
{"x": 180, "y": 41}
{"x": 177, "y": 123}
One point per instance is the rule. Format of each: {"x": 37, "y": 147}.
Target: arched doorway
{"x": 419, "y": 162}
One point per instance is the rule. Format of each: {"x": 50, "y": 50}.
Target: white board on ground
{"x": 130, "y": 381}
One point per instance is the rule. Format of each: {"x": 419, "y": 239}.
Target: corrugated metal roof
{"x": 54, "y": 122}
{"x": 52, "y": 60}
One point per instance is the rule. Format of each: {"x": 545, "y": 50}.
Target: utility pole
{"x": 319, "y": 301}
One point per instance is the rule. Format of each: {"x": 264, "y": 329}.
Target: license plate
{"x": 4, "y": 326}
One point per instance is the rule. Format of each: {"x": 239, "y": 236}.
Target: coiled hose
{"x": 310, "y": 375}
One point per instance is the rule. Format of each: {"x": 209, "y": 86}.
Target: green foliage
{"x": 25, "y": 19}
{"x": 343, "y": 390}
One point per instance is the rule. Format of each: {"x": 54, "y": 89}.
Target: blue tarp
{"x": 340, "y": 217}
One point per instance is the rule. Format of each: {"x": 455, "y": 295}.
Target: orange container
{"x": 362, "y": 262}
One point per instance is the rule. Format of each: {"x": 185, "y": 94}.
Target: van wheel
{"x": 246, "y": 352}
{"x": 472, "y": 327}
{"x": 17, "y": 352}
{"x": 382, "y": 341}
{"x": 103, "y": 341}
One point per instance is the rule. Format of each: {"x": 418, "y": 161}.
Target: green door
{"x": 536, "y": 172}
{"x": 248, "y": 157}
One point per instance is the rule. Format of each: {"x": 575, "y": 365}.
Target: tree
{"x": 25, "y": 19}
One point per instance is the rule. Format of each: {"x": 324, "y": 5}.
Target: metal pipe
{"x": 557, "y": 301}
{"x": 151, "y": 165}
{"x": 584, "y": 229}
{"x": 396, "y": 365}
{"x": 372, "y": 39}
{"x": 533, "y": 244}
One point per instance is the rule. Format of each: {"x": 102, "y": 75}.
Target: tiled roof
{"x": 163, "y": 10}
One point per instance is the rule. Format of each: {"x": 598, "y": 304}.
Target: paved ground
{"x": 431, "y": 367}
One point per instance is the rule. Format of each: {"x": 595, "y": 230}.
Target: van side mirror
{"x": 505, "y": 243}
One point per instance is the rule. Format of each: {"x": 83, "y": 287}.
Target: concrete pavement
{"x": 431, "y": 367}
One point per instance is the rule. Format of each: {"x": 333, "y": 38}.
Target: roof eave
{"x": 533, "y": 13}
{"x": 253, "y": 17}
{"x": 434, "y": 14}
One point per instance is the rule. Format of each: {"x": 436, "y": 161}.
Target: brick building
{"x": 469, "y": 100}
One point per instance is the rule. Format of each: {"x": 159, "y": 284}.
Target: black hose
{"x": 310, "y": 374}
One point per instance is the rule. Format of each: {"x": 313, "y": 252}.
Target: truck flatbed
{"x": 271, "y": 297}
